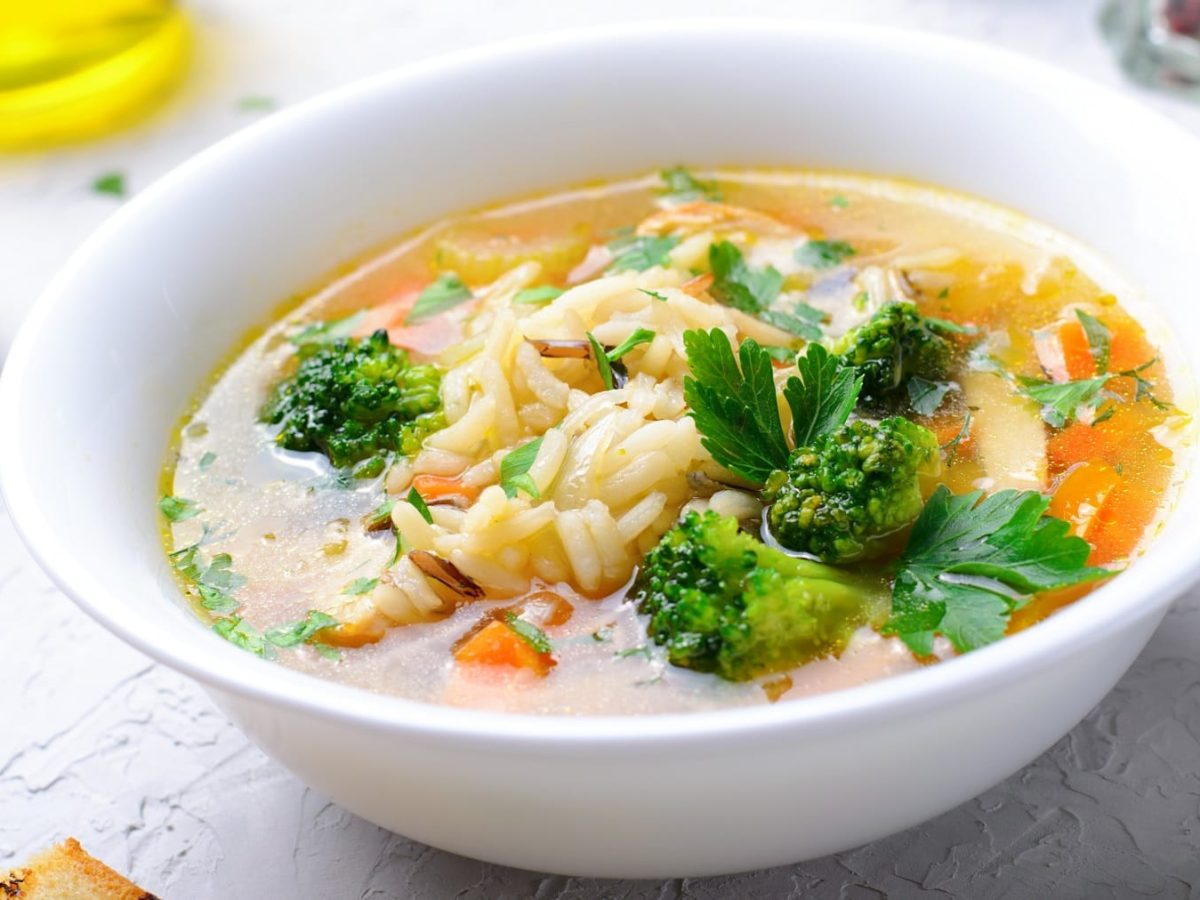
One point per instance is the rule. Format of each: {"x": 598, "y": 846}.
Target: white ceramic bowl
{"x": 118, "y": 345}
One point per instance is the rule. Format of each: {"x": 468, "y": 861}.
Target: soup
{"x": 674, "y": 443}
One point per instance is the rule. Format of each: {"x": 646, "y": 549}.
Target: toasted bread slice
{"x": 67, "y": 872}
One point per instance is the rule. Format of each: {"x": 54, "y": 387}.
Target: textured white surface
{"x": 138, "y": 764}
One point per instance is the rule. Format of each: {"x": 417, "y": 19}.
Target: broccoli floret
{"x": 842, "y": 497}
{"x": 889, "y": 348}
{"x": 723, "y": 601}
{"x": 355, "y": 399}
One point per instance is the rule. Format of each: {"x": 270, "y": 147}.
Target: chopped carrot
{"x": 444, "y": 489}
{"x": 1041, "y": 606}
{"x": 949, "y": 428}
{"x": 497, "y": 644}
{"x": 1080, "y": 497}
{"x": 1064, "y": 351}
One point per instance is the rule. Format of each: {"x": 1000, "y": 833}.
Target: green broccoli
{"x": 723, "y": 601}
{"x": 356, "y": 399}
{"x": 892, "y": 346}
{"x": 847, "y": 493}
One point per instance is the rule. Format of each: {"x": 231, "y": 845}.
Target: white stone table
{"x": 133, "y": 759}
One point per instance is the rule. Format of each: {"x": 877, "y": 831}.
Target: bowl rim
{"x": 230, "y": 671}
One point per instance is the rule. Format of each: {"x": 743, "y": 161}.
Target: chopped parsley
{"x": 528, "y": 632}
{"x": 637, "y": 253}
{"x": 1099, "y": 338}
{"x": 415, "y": 499}
{"x": 655, "y": 294}
{"x": 822, "y": 396}
{"x": 296, "y": 633}
{"x": 206, "y": 460}
{"x": 606, "y": 358}
{"x": 734, "y": 406}
{"x": 640, "y": 650}
{"x": 839, "y": 202}
{"x": 178, "y": 509}
{"x": 514, "y": 470}
{"x": 970, "y": 563}
{"x": 1061, "y": 401}
{"x": 538, "y": 295}
{"x": 737, "y": 284}
{"x": 444, "y": 293}
{"x": 951, "y": 446}
{"x": 926, "y": 396}
{"x": 380, "y": 517}
{"x": 681, "y": 186}
{"x": 318, "y": 334}
{"x": 803, "y": 321}
{"x": 360, "y": 586}
{"x": 823, "y": 254}
{"x": 242, "y": 634}
{"x": 112, "y": 184}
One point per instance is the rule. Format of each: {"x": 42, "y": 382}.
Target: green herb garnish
{"x": 538, "y": 295}
{"x": 926, "y": 396}
{"x": 737, "y": 284}
{"x": 970, "y": 563}
{"x": 111, "y": 183}
{"x": 256, "y": 103}
{"x": 529, "y": 633}
{"x": 318, "y": 334}
{"x": 822, "y": 396}
{"x": 360, "y": 586}
{"x": 178, "y": 509}
{"x": 655, "y": 294}
{"x": 418, "y": 502}
{"x": 1099, "y": 338}
{"x": 638, "y": 253}
{"x": 514, "y": 470}
{"x": 297, "y": 633}
{"x": 446, "y": 292}
{"x": 839, "y": 202}
{"x": 206, "y": 460}
{"x": 242, "y": 634}
{"x": 823, "y": 254}
{"x": 681, "y": 186}
{"x": 1061, "y": 401}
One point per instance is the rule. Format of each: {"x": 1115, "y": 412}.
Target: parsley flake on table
{"x": 971, "y": 562}
{"x": 112, "y": 184}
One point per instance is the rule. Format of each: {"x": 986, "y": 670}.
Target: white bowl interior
{"x": 117, "y": 348}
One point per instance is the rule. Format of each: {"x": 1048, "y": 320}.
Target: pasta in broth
{"x": 673, "y": 443}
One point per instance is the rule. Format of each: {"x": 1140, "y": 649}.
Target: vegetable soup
{"x": 680, "y": 442}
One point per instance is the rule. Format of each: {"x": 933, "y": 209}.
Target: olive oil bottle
{"x": 74, "y": 69}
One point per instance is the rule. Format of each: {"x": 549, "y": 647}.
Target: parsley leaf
{"x": 178, "y": 509}
{"x": 1099, "y": 338}
{"x": 111, "y": 183}
{"x": 640, "y": 252}
{"x": 514, "y": 470}
{"x": 970, "y": 563}
{"x": 256, "y": 103}
{"x": 823, "y": 254}
{"x": 739, "y": 285}
{"x": 926, "y": 396}
{"x": 823, "y": 396}
{"x": 216, "y": 600}
{"x": 1061, "y": 400}
{"x": 640, "y": 336}
{"x": 735, "y": 408}
{"x": 241, "y": 634}
{"x": 414, "y": 497}
{"x": 839, "y": 202}
{"x": 537, "y": 295}
{"x": 803, "y": 321}
{"x": 681, "y": 186}
{"x": 603, "y": 363}
{"x": 529, "y": 633}
{"x": 655, "y": 294}
{"x": 206, "y": 460}
{"x": 360, "y": 586}
{"x": 380, "y": 517}
{"x": 446, "y": 292}
{"x": 945, "y": 325}
{"x": 780, "y": 354}
{"x": 318, "y": 334}
{"x": 298, "y": 632}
